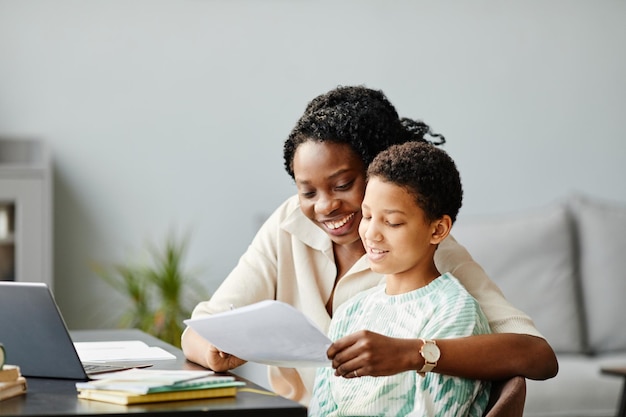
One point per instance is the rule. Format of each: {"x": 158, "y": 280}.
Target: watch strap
{"x": 428, "y": 366}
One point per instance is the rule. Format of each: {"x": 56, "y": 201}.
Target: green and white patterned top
{"x": 442, "y": 309}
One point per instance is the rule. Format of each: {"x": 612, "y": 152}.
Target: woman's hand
{"x": 368, "y": 353}
{"x": 219, "y": 361}
{"x": 197, "y": 349}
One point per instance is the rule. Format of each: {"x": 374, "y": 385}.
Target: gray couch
{"x": 565, "y": 265}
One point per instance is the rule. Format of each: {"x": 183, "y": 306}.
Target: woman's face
{"x": 330, "y": 178}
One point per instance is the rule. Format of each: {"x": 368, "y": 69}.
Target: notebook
{"x": 36, "y": 338}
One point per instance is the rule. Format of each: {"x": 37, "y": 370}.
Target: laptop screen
{"x": 34, "y": 334}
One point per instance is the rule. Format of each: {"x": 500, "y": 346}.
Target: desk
{"x": 618, "y": 371}
{"x": 56, "y": 397}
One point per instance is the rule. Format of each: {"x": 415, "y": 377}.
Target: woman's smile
{"x": 339, "y": 226}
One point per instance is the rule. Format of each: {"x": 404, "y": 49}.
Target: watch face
{"x": 430, "y": 352}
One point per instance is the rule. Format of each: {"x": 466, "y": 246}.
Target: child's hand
{"x": 366, "y": 353}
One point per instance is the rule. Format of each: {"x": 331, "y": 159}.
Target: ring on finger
{"x": 356, "y": 374}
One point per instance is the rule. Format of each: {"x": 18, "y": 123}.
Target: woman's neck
{"x": 345, "y": 258}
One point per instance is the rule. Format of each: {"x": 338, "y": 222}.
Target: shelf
{"x": 25, "y": 211}
{"x": 23, "y": 158}
{"x": 9, "y": 240}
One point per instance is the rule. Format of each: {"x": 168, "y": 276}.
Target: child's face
{"x": 394, "y": 230}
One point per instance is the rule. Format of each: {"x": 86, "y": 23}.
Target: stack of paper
{"x": 137, "y": 386}
{"x": 118, "y": 351}
{"x": 12, "y": 383}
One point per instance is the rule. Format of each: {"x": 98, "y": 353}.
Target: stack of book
{"x": 138, "y": 386}
{"x": 12, "y": 383}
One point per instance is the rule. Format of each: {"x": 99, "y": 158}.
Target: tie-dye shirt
{"x": 442, "y": 309}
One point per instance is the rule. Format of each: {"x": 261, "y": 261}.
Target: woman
{"x": 309, "y": 254}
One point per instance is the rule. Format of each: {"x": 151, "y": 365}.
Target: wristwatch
{"x": 431, "y": 353}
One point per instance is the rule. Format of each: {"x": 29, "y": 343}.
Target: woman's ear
{"x": 441, "y": 229}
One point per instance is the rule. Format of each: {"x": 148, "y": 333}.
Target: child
{"x": 412, "y": 199}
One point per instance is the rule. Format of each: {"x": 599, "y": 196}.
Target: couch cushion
{"x": 530, "y": 255}
{"x": 579, "y": 389}
{"x": 601, "y": 228}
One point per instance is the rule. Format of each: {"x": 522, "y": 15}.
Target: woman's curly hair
{"x": 358, "y": 116}
{"x": 428, "y": 173}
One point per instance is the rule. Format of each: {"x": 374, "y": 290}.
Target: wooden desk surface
{"x": 56, "y": 397}
{"x": 614, "y": 370}
{"x": 618, "y": 371}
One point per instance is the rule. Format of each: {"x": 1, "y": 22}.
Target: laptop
{"x": 36, "y": 338}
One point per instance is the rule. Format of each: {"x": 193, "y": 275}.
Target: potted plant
{"x": 160, "y": 292}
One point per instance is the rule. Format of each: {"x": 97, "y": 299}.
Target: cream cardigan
{"x": 291, "y": 260}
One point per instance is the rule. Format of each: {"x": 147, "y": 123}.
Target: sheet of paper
{"x": 124, "y": 350}
{"x": 269, "y": 332}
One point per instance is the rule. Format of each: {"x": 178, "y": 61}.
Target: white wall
{"x": 171, "y": 114}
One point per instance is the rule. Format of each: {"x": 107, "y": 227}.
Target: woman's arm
{"x": 253, "y": 279}
{"x": 490, "y": 357}
{"x": 245, "y": 285}
{"x": 497, "y": 356}
{"x": 515, "y": 348}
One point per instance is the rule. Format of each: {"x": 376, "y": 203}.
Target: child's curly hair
{"x": 426, "y": 172}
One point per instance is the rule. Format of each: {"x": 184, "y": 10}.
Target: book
{"x": 9, "y": 373}
{"x": 129, "y": 398}
{"x": 145, "y": 381}
{"x": 12, "y": 388}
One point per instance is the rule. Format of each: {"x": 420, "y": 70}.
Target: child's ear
{"x": 441, "y": 229}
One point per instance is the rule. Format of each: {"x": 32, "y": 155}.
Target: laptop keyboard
{"x": 98, "y": 368}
